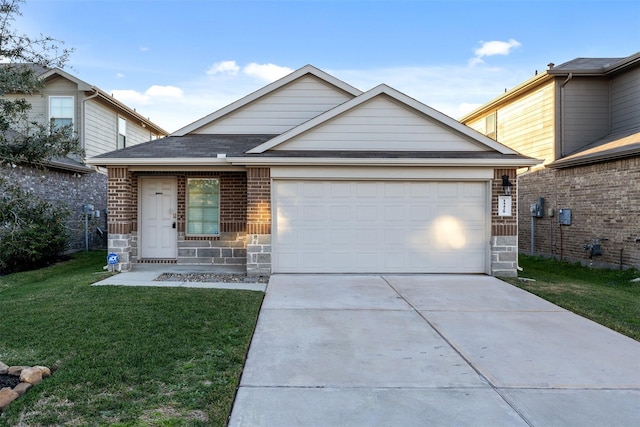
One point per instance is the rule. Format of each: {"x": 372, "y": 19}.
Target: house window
{"x": 122, "y": 132}
{"x": 490, "y": 126}
{"x": 61, "y": 111}
{"x": 203, "y": 206}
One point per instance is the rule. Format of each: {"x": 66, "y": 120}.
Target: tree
{"x": 32, "y": 231}
{"x": 22, "y": 139}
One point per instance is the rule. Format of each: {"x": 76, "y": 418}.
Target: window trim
{"x": 73, "y": 108}
{"x": 493, "y": 119}
{"x": 120, "y": 134}
{"x": 186, "y": 205}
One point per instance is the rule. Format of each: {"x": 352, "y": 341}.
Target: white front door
{"x": 158, "y": 215}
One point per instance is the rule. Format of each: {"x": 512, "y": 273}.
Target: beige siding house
{"x": 102, "y": 124}
{"x": 311, "y": 175}
{"x": 583, "y": 119}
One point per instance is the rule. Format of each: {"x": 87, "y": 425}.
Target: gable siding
{"x": 136, "y": 134}
{"x": 625, "y": 101}
{"x": 282, "y": 110}
{"x": 526, "y": 124}
{"x": 585, "y": 113}
{"x": 38, "y": 112}
{"x": 380, "y": 125}
{"x": 101, "y": 129}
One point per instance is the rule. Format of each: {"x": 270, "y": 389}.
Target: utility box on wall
{"x": 537, "y": 209}
{"x": 564, "y": 216}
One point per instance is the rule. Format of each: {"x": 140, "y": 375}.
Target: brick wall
{"x": 605, "y": 202}
{"x": 504, "y": 229}
{"x": 227, "y": 248}
{"x": 72, "y": 190}
{"x": 258, "y": 221}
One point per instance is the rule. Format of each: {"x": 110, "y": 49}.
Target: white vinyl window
{"x": 61, "y": 110}
{"x": 490, "y": 126}
{"x": 203, "y": 207}
{"x": 122, "y": 132}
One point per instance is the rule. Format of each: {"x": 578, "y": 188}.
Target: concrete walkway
{"x": 145, "y": 275}
{"x": 430, "y": 350}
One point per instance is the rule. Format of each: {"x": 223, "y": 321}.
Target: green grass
{"x": 604, "y": 296}
{"x": 122, "y": 356}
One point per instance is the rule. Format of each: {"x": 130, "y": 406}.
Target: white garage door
{"x": 379, "y": 227}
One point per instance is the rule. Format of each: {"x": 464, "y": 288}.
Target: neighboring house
{"x": 311, "y": 175}
{"x": 102, "y": 124}
{"x": 583, "y": 119}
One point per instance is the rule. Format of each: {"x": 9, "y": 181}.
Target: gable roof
{"x": 585, "y": 67}
{"x": 611, "y": 147}
{"x": 46, "y": 73}
{"x": 595, "y": 66}
{"x": 265, "y": 91}
{"x": 479, "y": 141}
{"x": 454, "y": 144}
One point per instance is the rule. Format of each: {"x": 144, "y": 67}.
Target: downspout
{"x": 562, "y": 126}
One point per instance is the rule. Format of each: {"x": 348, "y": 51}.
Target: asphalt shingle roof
{"x": 190, "y": 146}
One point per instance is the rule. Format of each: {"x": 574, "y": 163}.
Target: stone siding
{"x": 73, "y": 191}
{"x": 604, "y": 199}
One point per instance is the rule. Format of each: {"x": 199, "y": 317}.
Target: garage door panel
{"x": 376, "y": 226}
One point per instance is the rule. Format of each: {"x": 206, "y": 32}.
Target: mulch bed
{"x": 210, "y": 277}
{"x": 9, "y": 381}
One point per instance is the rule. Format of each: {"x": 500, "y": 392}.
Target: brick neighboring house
{"x": 102, "y": 124}
{"x": 311, "y": 175}
{"x": 583, "y": 119}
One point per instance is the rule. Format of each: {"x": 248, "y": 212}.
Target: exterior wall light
{"x": 507, "y": 185}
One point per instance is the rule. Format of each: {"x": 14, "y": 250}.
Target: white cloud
{"x": 224, "y": 67}
{"x": 144, "y": 49}
{"x": 493, "y": 48}
{"x": 119, "y": 75}
{"x": 266, "y": 72}
{"x": 152, "y": 95}
{"x": 164, "y": 91}
{"x": 130, "y": 97}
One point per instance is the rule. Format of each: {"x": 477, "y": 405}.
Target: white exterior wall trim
{"x": 382, "y": 173}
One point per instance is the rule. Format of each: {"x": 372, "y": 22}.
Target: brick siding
{"x": 605, "y": 202}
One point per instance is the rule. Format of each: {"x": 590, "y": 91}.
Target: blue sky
{"x": 178, "y": 60}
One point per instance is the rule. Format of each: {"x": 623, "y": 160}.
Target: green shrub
{"x": 32, "y": 230}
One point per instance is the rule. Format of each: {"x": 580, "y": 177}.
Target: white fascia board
{"x": 307, "y": 69}
{"x": 475, "y": 136}
{"x": 324, "y": 161}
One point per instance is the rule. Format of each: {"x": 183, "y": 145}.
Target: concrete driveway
{"x": 437, "y": 350}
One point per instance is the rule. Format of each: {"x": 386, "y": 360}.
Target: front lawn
{"x": 604, "y": 296}
{"x": 122, "y": 356}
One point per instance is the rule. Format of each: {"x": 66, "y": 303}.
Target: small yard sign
{"x": 112, "y": 259}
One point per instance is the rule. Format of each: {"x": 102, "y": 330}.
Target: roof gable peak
{"x": 265, "y": 91}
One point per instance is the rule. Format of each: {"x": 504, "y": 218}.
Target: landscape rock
{"x": 31, "y": 375}
{"x": 46, "y": 372}
{"x": 16, "y": 370}
{"x": 3, "y": 368}
{"x": 7, "y": 396}
{"x": 22, "y": 388}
